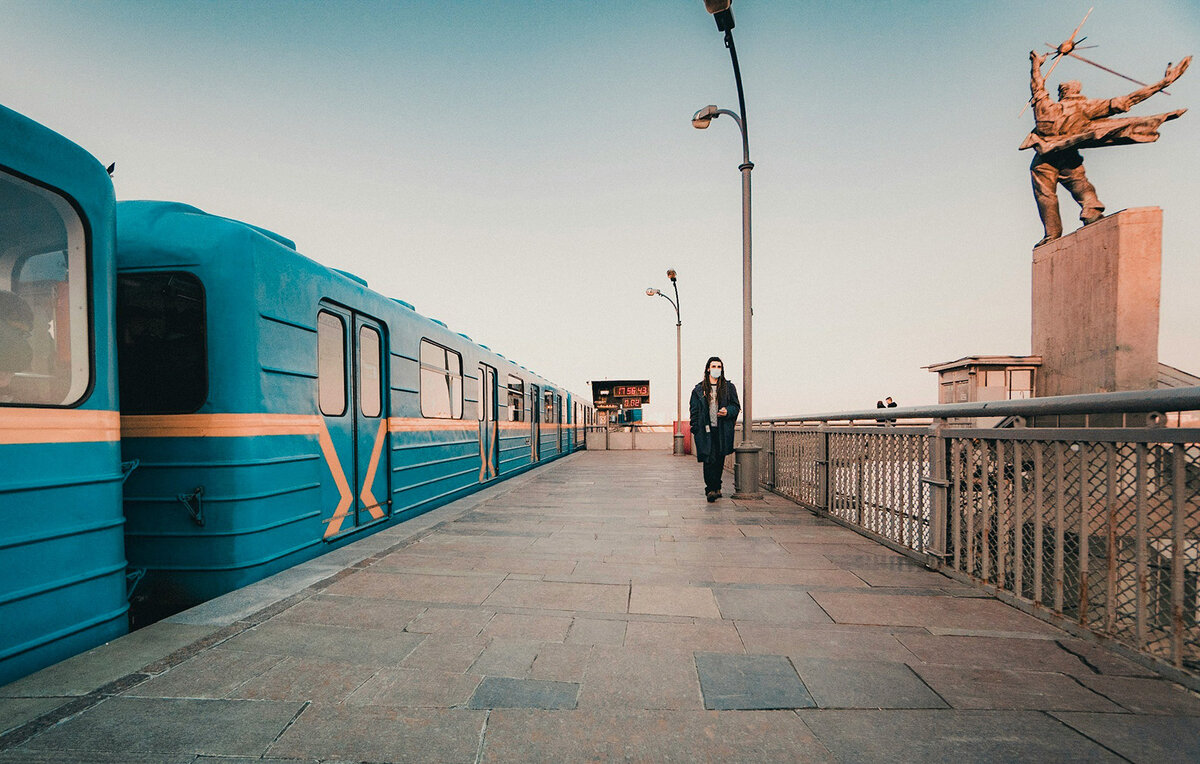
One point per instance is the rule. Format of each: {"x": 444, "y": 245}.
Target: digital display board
{"x": 620, "y": 393}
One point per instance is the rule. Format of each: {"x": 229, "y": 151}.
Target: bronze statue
{"x": 1063, "y": 127}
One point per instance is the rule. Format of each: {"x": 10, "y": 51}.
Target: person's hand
{"x": 722, "y": 411}
{"x": 1175, "y": 72}
{"x": 1036, "y": 58}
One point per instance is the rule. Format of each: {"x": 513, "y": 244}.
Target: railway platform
{"x": 598, "y": 609}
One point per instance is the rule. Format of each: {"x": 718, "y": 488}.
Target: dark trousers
{"x": 1065, "y": 167}
{"x": 712, "y": 474}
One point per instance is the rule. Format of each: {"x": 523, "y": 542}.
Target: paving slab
{"x": 762, "y": 737}
{"x": 750, "y": 682}
{"x": 374, "y": 733}
{"x": 418, "y": 587}
{"x": 1145, "y": 696}
{"x": 412, "y": 688}
{"x": 845, "y": 643}
{"x": 965, "y": 688}
{"x": 335, "y": 642}
{"x": 551, "y": 595}
{"x": 885, "y": 737}
{"x": 707, "y": 635}
{"x": 992, "y": 652}
{"x": 763, "y": 605}
{"x": 933, "y": 610}
{"x": 16, "y": 711}
{"x": 211, "y": 674}
{"x": 619, "y": 677}
{"x": 673, "y": 600}
{"x": 172, "y": 726}
{"x": 362, "y": 612}
{"x": 593, "y": 631}
{"x": 531, "y": 628}
{"x": 505, "y": 692}
{"x": 865, "y": 684}
{"x": 1142, "y": 739}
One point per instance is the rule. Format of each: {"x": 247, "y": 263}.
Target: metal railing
{"x": 1094, "y": 529}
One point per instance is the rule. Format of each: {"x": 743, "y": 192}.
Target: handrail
{"x": 1128, "y": 402}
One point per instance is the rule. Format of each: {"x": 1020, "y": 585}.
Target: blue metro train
{"x": 271, "y": 408}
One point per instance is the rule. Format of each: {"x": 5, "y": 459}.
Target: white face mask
{"x": 714, "y": 373}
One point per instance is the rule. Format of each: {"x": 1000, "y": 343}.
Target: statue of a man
{"x": 1072, "y": 123}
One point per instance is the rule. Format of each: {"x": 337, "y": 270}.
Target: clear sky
{"x": 524, "y": 170}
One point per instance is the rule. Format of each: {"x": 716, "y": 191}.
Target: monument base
{"x": 1095, "y": 305}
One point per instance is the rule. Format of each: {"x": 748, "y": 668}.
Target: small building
{"x": 978, "y": 378}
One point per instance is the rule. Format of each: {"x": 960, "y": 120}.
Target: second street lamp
{"x": 677, "y": 427}
{"x": 745, "y": 474}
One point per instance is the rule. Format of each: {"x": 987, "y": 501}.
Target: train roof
{"x": 174, "y": 233}
{"x": 35, "y": 151}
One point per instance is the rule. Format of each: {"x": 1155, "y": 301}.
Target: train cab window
{"x": 162, "y": 344}
{"x": 45, "y": 336}
{"x": 370, "y": 363}
{"x": 331, "y": 364}
{"x": 516, "y": 399}
{"x": 441, "y": 382}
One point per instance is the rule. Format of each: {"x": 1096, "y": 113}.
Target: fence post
{"x": 822, "y": 465}
{"x": 939, "y": 486}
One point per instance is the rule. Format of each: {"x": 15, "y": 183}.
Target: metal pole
{"x": 746, "y": 484}
{"x": 677, "y": 441}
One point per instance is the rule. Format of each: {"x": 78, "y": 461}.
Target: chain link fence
{"x": 1097, "y": 526}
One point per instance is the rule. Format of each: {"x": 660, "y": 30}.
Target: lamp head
{"x": 701, "y": 118}
{"x": 671, "y": 274}
{"x": 721, "y": 12}
{"x": 651, "y": 291}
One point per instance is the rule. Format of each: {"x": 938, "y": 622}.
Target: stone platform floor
{"x": 598, "y": 609}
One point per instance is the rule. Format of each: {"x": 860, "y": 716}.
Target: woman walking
{"x": 714, "y": 411}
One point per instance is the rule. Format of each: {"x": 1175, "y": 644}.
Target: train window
{"x": 516, "y": 399}
{"x": 369, "y": 365}
{"x": 45, "y": 337}
{"x": 162, "y": 344}
{"x": 558, "y": 408}
{"x": 331, "y": 363}
{"x": 441, "y": 382}
{"x": 548, "y": 399}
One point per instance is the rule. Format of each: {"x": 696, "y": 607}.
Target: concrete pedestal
{"x": 1095, "y": 305}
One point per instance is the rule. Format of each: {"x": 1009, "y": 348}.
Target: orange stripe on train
{"x": 26, "y": 426}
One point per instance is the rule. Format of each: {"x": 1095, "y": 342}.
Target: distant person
{"x": 879, "y": 405}
{"x": 891, "y": 404}
{"x": 714, "y": 409}
{"x": 16, "y": 354}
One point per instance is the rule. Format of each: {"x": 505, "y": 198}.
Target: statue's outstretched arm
{"x": 1127, "y": 102}
{"x": 1037, "y": 82}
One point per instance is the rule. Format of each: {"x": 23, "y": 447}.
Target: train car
{"x": 61, "y": 548}
{"x": 278, "y": 408}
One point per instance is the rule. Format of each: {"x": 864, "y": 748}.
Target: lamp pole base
{"x": 677, "y": 449}
{"x": 745, "y": 471}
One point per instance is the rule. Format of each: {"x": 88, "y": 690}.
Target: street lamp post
{"x": 677, "y": 447}
{"x": 745, "y": 475}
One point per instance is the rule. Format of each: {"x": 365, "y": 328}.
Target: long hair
{"x": 708, "y": 385}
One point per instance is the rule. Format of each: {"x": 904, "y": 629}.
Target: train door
{"x": 351, "y": 349}
{"x": 535, "y": 420}
{"x": 489, "y": 436}
{"x": 558, "y": 418}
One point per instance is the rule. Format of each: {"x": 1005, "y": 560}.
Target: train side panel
{"x": 328, "y": 411}
{"x": 61, "y": 548}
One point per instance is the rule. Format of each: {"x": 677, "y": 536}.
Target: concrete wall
{"x": 642, "y": 441}
{"x": 1095, "y": 305}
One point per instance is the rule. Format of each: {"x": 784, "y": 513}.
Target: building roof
{"x": 986, "y": 360}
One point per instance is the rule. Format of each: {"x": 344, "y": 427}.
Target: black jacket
{"x": 702, "y": 440}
